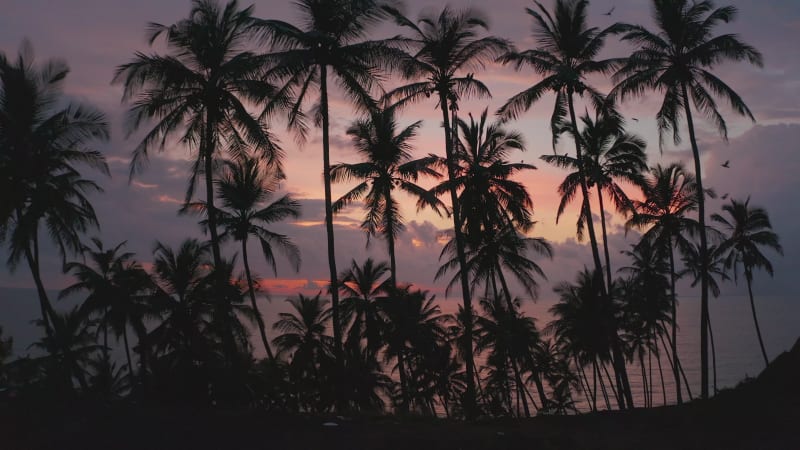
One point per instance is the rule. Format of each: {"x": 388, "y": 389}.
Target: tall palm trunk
{"x": 251, "y": 289}
{"x": 713, "y": 353}
{"x": 644, "y": 379}
{"x": 469, "y": 398}
{"x": 621, "y": 374}
{"x": 390, "y": 237}
{"x": 674, "y": 341}
{"x": 585, "y": 381}
{"x": 701, "y": 212}
{"x": 223, "y": 306}
{"x": 326, "y": 168}
{"x": 605, "y": 236}
{"x": 401, "y": 367}
{"x": 127, "y": 351}
{"x": 749, "y": 277}
{"x": 47, "y": 311}
{"x": 661, "y": 376}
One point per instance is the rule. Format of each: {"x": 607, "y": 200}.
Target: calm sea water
{"x": 738, "y": 354}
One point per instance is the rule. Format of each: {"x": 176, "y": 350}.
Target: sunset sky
{"x": 95, "y": 36}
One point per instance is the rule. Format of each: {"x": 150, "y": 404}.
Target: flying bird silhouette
{"x": 634, "y": 119}
{"x": 726, "y": 164}
{"x": 610, "y": 11}
{"x": 724, "y": 196}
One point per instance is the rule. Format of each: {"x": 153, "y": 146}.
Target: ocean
{"x": 737, "y": 351}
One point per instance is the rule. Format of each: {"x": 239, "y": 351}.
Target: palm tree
{"x": 583, "y": 327}
{"x": 331, "y": 40}
{"x": 677, "y": 60}
{"x": 387, "y": 166}
{"x": 243, "y": 188}
{"x": 567, "y": 48}
{"x": 43, "y": 139}
{"x": 414, "y": 330}
{"x": 748, "y": 229}
{"x": 670, "y": 195}
{"x": 197, "y": 93}
{"x": 566, "y": 57}
{"x": 303, "y": 335}
{"x": 443, "y": 47}
{"x": 611, "y": 155}
{"x": 118, "y": 288}
{"x": 361, "y": 286}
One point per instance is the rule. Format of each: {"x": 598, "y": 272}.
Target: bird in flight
{"x": 724, "y": 196}
{"x": 726, "y": 164}
{"x": 634, "y": 119}
{"x": 610, "y": 11}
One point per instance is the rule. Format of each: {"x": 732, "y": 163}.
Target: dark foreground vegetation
{"x": 759, "y": 414}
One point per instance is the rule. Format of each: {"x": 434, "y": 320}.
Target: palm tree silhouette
{"x": 118, "y": 288}
{"x": 387, "y": 166}
{"x": 362, "y": 285}
{"x": 670, "y": 195}
{"x": 611, "y": 154}
{"x": 565, "y": 58}
{"x": 568, "y": 48}
{"x": 303, "y": 335}
{"x": 332, "y": 40}
{"x": 677, "y": 60}
{"x": 414, "y": 329}
{"x": 243, "y": 188}
{"x": 43, "y": 140}
{"x": 584, "y": 327}
{"x": 748, "y": 229}
{"x": 197, "y": 93}
{"x": 444, "y": 46}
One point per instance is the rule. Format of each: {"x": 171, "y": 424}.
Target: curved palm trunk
{"x": 259, "y": 318}
{"x": 618, "y": 360}
{"x": 644, "y": 379}
{"x": 585, "y": 381}
{"x": 749, "y": 277}
{"x": 713, "y": 353}
{"x": 47, "y": 311}
{"x": 674, "y": 341}
{"x": 470, "y": 407}
{"x": 326, "y": 168}
{"x": 390, "y": 236}
{"x": 617, "y": 396}
{"x": 701, "y": 212}
{"x": 661, "y": 376}
{"x": 605, "y": 236}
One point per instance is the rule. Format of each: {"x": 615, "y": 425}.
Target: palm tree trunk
{"x": 618, "y": 359}
{"x": 390, "y": 237}
{"x": 749, "y": 277}
{"x": 605, "y": 236}
{"x": 326, "y": 168}
{"x": 650, "y": 374}
{"x": 701, "y": 212}
{"x": 588, "y": 392}
{"x": 520, "y": 386}
{"x": 401, "y": 367}
{"x": 713, "y": 353}
{"x": 47, "y": 311}
{"x": 617, "y": 395}
{"x": 644, "y": 379}
{"x": 127, "y": 351}
{"x": 661, "y": 376}
{"x": 603, "y": 387}
{"x": 672, "y": 358}
{"x": 259, "y": 318}
{"x": 470, "y": 407}
{"x": 674, "y": 342}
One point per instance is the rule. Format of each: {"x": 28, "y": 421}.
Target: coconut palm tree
{"x": 387, "y": 166}
{"x": 670, "y": 195}
{"x": 749, "y": 230}
{"x": 303, "y": 336}
{"x": 443, "y": 47}
{"x": 612, "y": 155}
{"x": 44, "y": 139}
{"x": 414, "y": 330}
{"x": 582, "y": 326}
{"x": 243, "y": 188}
{"x": 677, "y": 60}
{"x": 332, "y": 39}
{"x": 197, "y": 94}
{"x": 565, "y": 58}
{"x": 118, "y": 289}
{"x": 361, "y": 286}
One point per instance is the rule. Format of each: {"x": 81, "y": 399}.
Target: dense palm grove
{"x": 188, "y": 326}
